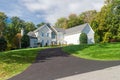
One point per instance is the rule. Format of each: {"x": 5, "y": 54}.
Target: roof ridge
{"x": 75, "y": 29}
{"x": 76, "y": 26}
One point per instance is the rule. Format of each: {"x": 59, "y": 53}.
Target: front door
{"x": 42, "y": 42}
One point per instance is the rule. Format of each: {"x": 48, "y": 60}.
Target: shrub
{"x": 107, "y": 37}
{"x": 25, "y": 41}
{"x": 83, "y": 38}
{"x": 3, "y": 44}
{"x": 97, "y": 38}
{"x": 115, "y": 39}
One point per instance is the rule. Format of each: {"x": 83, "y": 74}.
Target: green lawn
{"x": 15, "y": 61}
{"x": 106, "y": 51}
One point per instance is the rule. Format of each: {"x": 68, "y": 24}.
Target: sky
{"x": 37, "y": 11}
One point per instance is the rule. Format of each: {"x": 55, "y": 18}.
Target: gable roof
{"x": 76, "y": 29}
{"x": 59, "y": 29}
{"x": 39, "y": 28}
{"x": 48, "y": 25}
{"x": 69, "y": 31}
{"x": 31, "y": 34}
{"x": 52, "y": 28}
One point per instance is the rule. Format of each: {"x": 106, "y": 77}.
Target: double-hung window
{"x": 47, "y": 34}
{"x": 42, "y": 34}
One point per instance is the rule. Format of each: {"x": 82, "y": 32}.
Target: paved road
{"x": 52, "y": 64}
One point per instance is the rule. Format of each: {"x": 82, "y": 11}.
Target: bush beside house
{"x": 83, "y": 38}
{"x": 25, "y": 41}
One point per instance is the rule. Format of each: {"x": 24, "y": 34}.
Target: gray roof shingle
{"x": 69, "y": 31}
{"x": 31, "y": 34}
{"x": 76, "y": 29}
{"x": 60, "y": 29}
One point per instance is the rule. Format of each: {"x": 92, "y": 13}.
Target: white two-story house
{"x": 49, "y": 35}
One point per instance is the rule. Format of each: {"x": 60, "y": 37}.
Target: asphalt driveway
{"x": 53, "y": 64}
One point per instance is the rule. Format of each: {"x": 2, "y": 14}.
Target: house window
{"x": 42, "y": 34}
{"x": 47, "y": 34}
{"x": 53, "y": 35}
{"x": 35, "y": 43}
{"x": 47, "y": 43}
{"x": 42, "y": 42}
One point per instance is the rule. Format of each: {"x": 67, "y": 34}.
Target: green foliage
{"x": 73, "y": 20}
{"x": 13, "y": 28}
{"x": 106, "y": 51}
{"x": 97, "y": 38}
{"x": 17, "y": 23}
{"x": 83, "y": 38}
{"x": 106, "y": 22}
{"x": 29, "y": 26}
{"x": 16, "y": 61}
{"x": 40, "y": 24}
{"x": 108, "y": 36}
{"x": 2, "y": 22}
{"x": 62, "y": 23}
{"x": 88, "y": 16}
{"x": 25, "y": 41}
{"x": 3, "y": 44}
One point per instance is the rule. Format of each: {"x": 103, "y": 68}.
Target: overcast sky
{"x": 47, "y": 10}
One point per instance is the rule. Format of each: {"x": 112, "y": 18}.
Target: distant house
{"x": 49, "y": 35}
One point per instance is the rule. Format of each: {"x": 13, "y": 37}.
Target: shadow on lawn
{"x": 21, "y": 57}
{"x": 75, "y": 48}
{"x": 74, "y": 64}
{"x": 53, "y": 63}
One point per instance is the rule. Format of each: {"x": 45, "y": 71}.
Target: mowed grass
{"x": 106, "y": 51}
{"x": 15, "y": 61}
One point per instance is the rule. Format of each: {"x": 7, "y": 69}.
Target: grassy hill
{"x": 106, "y": 51}
{"x": 15, "y": 61}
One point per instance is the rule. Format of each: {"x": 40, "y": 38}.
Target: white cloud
{"x": 14, "y": 10}
{"x": 15, "y": 13}
{"x": 54, "y": 9}
{"x": 97, "y": 6}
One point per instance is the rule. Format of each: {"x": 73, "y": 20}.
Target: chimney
{"x": 22, "y": 32}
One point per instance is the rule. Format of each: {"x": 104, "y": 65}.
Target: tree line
{"x": 105, "y": 23}
{"x": 10, "y": 32}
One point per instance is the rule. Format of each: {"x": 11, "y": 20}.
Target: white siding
{"x": 44, "y": 38}
{"x": 36, "y": 33}
{"x": 72, "y": 39}
{"x": 60, "y": 38}
{"x": 90, "y": 34}
{"x": 33, "y": 42}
